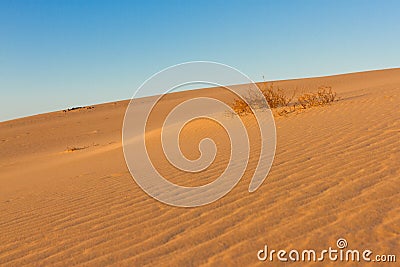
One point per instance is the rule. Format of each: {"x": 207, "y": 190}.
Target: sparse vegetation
{"x": 77, "y": 108}
{"x": 75, "y": 148}
{"x": 323, "y": 96}
{"x": 240, "y": 107}
{"x": 282, "y": 103}
{"x": 275, "y": 97}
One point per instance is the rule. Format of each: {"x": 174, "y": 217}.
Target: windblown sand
{"x": 67, "y": 197}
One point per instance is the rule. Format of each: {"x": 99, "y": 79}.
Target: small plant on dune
{"x": 75, "y": 148}
{"x": 281, "y": 103}
{"x": 274, "y": 96}
{"x": 323, "y": 96}
{"x": 77, "y": 108}
{"x": 240, "y": 107}
{"x": 252, "y": 99}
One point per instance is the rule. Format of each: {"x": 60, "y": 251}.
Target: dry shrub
{"x": 275, "y": 97}
{"x": 282, "y": 104}
{"x": 323, "y": 96}
{"x": 240, "y": 107}
{"x": 77, "y": 108}
{"x": 75, "y": 148}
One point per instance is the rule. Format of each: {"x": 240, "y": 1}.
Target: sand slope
{"x": 336, "y": 174}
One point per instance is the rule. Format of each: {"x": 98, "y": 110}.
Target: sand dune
{"x": 67, "y": 197}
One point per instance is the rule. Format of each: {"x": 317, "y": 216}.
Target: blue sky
{"x": 59, "y": 54}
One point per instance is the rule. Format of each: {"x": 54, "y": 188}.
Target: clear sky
{"x": 59, "y": 54}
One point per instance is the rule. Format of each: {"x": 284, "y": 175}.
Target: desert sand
{"x": 67, "y": 197}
